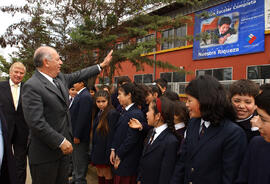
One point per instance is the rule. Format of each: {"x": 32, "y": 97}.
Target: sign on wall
{"x": 237, "y": 27}
{"x": 267, "y": 15}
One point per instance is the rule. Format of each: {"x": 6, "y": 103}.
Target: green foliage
{"x": 84, "y": 31}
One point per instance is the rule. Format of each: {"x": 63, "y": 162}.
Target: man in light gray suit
{"x": 46, "y": 109}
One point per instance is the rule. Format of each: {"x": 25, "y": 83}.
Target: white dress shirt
{"x": 206, "y": 124}
{"x": 18, "y": 91}
{"x": 159, "y": 130}
{"x": 179, "y": 125}
{"x": 130, "y": 105}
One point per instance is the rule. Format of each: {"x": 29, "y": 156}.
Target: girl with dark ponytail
{"x": 105, "y": 119}
{"x": 161, "y": 145}
{"x": 127, "y": 142}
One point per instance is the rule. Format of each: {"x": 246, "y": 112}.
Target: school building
{"x": 255, "y": 66}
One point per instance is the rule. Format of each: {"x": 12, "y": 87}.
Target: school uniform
{"x": 213, "y": 157}
{"x": 180, "y": 129}
{"x": 101, "y": 144}
{"x": 255, "y": 166}
{"x": 246, "y": 126}
{"x": 159, "y": 157}
{"x": 128, "y": 143}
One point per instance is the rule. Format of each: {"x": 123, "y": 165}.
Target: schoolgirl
{"x": 214, "y": 146}
{"x": 160, "y": 149}
{"x": 104, "y": 123}
{"x": 181, "y": 118}
{"x": 127, "y": 142}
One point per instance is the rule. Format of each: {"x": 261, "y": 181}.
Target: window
{"x": 116, "y": 79}
{"x": 174, "y": 37}
{"x": 258, "y": 72}
{"x": 219, "y": 74}
{"x": 144, "y": 78}
{"x": 104, "y": 80}
{"x": 173, "y": 76}
{"x": 145, "y": 39}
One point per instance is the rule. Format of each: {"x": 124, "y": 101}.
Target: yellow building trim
{"x": 182, "y": 95}
{"x": 168, "y": 50}
{"x": 179, "y": 48}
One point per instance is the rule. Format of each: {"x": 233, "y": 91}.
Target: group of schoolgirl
{"x": 122, "y": 152}
{"x": 130, "y": 147}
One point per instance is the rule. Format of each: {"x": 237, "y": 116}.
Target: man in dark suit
{"x": 46, "y": 109}
{"x": 10, "y": 98}
{"x": 81, "y": 115}
{"x": 7, "y": 164}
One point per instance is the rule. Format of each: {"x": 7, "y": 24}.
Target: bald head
{"x": 47, "y": 60}
{"x": 43, "y": 52}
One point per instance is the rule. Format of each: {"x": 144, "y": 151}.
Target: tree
{"x": 83, "y": 31}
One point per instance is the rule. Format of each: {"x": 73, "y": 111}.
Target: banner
{"x": 267, "y": 15}
{"x": 236, "y": 27}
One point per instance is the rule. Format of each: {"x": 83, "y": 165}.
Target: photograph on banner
{"x": 236, "y": 27}
{"x": 222, "y": 30}
{"x": 267, "y": 15}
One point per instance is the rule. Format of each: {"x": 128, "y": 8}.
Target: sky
{"x": 7, "y": 20}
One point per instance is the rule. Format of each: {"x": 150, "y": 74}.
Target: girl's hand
{"x": 135, "y": 124}
{"x": 116, "y": 162}
{"x": 112, "y": 157}
{"x": 255, "y": 121}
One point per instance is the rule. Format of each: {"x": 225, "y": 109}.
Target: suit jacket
{"x": 17, "y": 126}
{"x": 214, "y": 158}
{"x": 7, "y": 174}
{"x": 246, "y": 125}
{"x": 81, "y": 115}
{"x": 101, "y": 144}
{"x": 46, "y": 112}
{"x": 158, "y": 159}
{"x": 255, "y": 166}
{"x": 128, "y": 142}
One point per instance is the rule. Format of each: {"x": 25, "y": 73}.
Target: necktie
{"x": 57, "y": 85}
{"x": 152, "y": 137}
{"x": 203, "y": 129}
{"x": 70, "y": 99}
{"x": 15, "y": 95}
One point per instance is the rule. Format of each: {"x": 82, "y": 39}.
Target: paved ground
{"x": 91, "y": 176}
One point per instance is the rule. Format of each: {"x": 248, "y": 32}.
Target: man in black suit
{"x": 7, "y": 164}
{"x": 46, "y": 110}
{"x": 81, "y": 115}
{"x": 10, "y": 98}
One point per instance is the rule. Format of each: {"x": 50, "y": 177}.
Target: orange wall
{"x": 184, "y": 58}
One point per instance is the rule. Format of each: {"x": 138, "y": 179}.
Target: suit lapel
{"x": 9, "y": 94}
{"x": 156, "y": 142}
{"x": 49, "y": 85}
{"x": 64, "y": 91}
{"x": 210, "y": 133}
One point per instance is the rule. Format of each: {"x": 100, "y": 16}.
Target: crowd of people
{"x": 133, "y": 134}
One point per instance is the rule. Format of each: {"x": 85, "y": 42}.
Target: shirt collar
{"x": 206, "y": 123}
{"x": 179, "y": 125}
{"x": 47, "y": 76}
{"x": 160, "y": 129}
{"x": 80, "y": 90}
{"x": 127, "y": 107}
{"x": 11, "y": 83}
{"x": 241, "y": 120}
